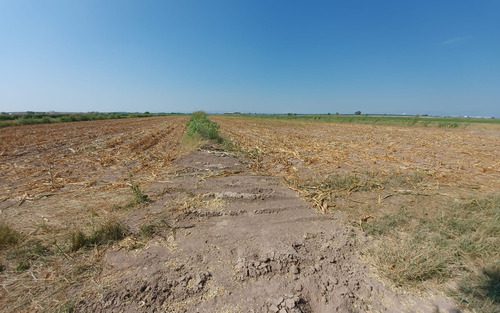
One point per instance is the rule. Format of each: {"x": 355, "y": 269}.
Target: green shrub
{"x": 199, "y": 124}
{"x": 105, "y": 234}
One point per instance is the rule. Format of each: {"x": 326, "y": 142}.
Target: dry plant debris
{"x": 429, "y": 196}
{"x": 58, "y": 178}
{"x": 451, "y": 156}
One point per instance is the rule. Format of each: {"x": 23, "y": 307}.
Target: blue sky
{"x": 273, "y": 56}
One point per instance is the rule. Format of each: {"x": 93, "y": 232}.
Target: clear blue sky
{"x": 273, "y": 56}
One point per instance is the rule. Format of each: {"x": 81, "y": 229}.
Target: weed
{"x": 21, "y": 266}
{"x": 480, "y": 290}
{"x": 455, "y": 239}
{"x": 349, "y": 183}
{"x": 411, "y": 261}
{"x": 30, "y": 118}
{"x": 416, "y": 177}
{"x": 105, "y": 234}
{"x": 139, "y": 196}
{"x": 68, "y": 307}
{"x": 387, "y": 223}
{"x": 39, "y": 250}
{"x": 84, "y": 268}
{"x": 147, "y": 230}
{"x": 201, "y": 125}
{"x": 448, "y": 124}
{"x": 8, "y": 236}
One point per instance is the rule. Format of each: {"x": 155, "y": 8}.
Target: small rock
{"x": 293, "y": 269}
{"x": 273, "y": 308}
{"x": 298, "y": 287}
{"x": 283, "y": 310}
{"x": 278, "y": 301}
{"x": 289, "y": 303}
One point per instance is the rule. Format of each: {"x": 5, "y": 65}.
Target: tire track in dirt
{"x": 228, "y": 240}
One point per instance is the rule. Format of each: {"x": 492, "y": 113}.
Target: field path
{"x": 224, "y": 239}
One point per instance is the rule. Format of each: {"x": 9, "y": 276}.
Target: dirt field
{"x": 221, "y": 233}
{"x": 454, "y": 157}
{"x": 60, "y": 177}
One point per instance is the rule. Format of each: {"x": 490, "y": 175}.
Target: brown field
{"x": 428, "y": 196}
{"x": 453, "y": 157}
{"x": 56, "y": 178}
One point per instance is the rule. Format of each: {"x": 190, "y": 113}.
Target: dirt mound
{"x": 228, "y": 240}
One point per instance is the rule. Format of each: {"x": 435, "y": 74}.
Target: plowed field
{"x": 56, "y": 178}
{"x": 219, "y": 233}
{"x": 452, "y": 156}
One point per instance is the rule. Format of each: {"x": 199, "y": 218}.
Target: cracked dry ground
{"x": 242, "y": 242}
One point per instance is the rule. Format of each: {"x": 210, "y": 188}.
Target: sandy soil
{"x": 248, "y": 245}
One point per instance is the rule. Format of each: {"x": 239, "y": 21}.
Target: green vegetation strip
{"x": 29, "y": 118}
{"x": 199, "y": 127}
{"x": 417, "y": 120}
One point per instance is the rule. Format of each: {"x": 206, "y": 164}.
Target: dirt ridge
{"x": 260, "y": 248}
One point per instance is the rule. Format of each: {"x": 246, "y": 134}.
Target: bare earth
{"x": 250, "y": 246}
{"x": 225, "y": 233}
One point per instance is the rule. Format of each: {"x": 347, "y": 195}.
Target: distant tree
{"x": 147, "y": 112}
{"x": 357, "y": 112}
{"x": 329, "y": 113}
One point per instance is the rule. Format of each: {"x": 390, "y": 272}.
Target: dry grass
{"x": 481, "y": 289}
{"x": 457, "y": 240}
{"x": 148, "y": 229}
{"x": 421, "y": 193}
{"x": 190, "y": 201}
{"x": 415, "y": 247}
{"x": 8, "y": 236}
{"x": 287, "y": 147}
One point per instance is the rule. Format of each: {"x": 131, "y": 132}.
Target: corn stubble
{"x": 428, "y": 197}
